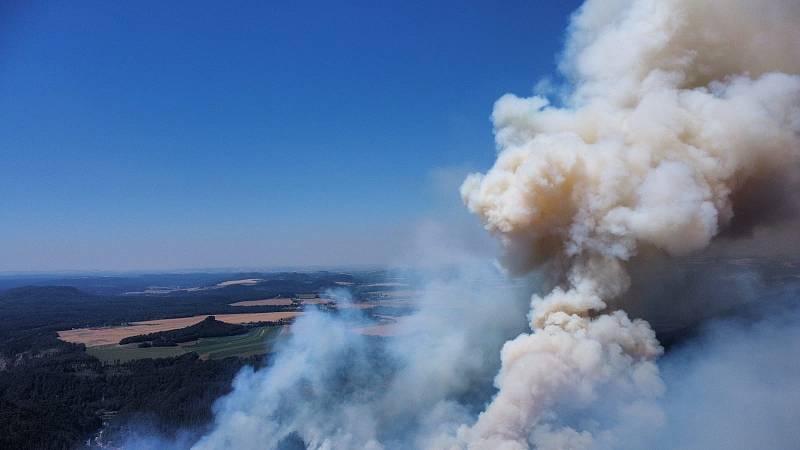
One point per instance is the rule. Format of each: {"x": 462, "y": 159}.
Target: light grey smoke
{"x": 738, "y": 388}
{"x": 735, "y": 387}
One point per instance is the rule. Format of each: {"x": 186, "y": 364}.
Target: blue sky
{"x": 188, "y": 134}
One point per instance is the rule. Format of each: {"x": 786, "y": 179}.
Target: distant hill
{"x": 208, "y": 327}
{"x": 35, "y": 293}
{"x": 182, "y": 284}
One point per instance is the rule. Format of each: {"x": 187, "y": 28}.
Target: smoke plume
{"x": 679, "y": 125}
{"x": 329, "y": 387}
{"x": 679, "y": 109}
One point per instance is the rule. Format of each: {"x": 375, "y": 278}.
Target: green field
{"x": 257, "y": 341}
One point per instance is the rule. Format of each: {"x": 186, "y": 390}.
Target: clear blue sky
{"x": 181, "y": 134}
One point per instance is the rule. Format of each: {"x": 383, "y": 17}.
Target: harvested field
{"x": 265, "y": 302}
{"x": 379, "y": 303}
{"x": 283, "y": 302}
{"x": 357, "y": 305}
{"x": 245, "y": 282}
{"x": 316, "y": 301}
{"x": 389, "y": 326}
{"x": 92, "y": 337}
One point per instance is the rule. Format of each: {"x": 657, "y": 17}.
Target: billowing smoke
{"x": 267, "y": 408}
{"x": 679, "y": 110}
{"x": 329, "y": 387}
{"x": 679, "y": 126}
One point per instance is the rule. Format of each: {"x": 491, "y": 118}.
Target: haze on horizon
{"x": 192, "y": 134}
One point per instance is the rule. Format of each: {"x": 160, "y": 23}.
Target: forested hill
{"x": 207, "y": 328}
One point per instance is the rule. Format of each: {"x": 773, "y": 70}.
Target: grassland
{"x": 257, "y": 341}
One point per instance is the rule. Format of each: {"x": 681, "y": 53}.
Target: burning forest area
{"x": 623, "y": 274}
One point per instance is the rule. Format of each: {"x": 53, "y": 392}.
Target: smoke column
{"x": 679, "y": 123}
{"x": 678, "y": 111}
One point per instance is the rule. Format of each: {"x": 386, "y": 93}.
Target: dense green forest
{"x": 54, "y": 395}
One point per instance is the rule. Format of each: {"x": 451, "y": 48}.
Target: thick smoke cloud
{"x": 678, "y": 134}
{"x": 681, "y": 112}
{"x": 329, "y": 387}
{"x": 266, "y": 408}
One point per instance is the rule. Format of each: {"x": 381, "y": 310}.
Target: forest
{"x": 53, "y": 395}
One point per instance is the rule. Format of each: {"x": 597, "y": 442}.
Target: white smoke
{"x": 329, "y": 387}
{"x": 677, "y": 107}
{"x": 681, "y": 122}
{"x": 267, "y": 407}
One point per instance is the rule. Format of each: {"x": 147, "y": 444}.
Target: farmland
{"x": 265, "y": 302}
{"x": 92, "y": 337}
{"x": 285, "y": 301}
{"x": 257, "y": 341}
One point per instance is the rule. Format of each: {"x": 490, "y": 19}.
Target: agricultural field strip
{"x": 92, "y": 337}
{"x": 254, "y": 342}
